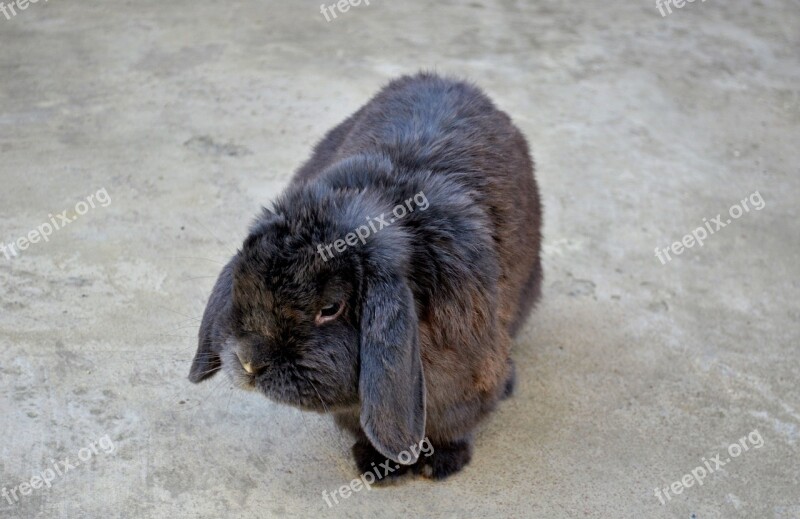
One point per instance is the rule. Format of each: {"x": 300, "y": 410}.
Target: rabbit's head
{"x": 323, "y": 332}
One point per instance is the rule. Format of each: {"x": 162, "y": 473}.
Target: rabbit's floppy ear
{"x": 391, "y": 383}
{"x": 212, "y": 330}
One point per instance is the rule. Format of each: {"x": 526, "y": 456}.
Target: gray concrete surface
{"x": 192, "y": 114}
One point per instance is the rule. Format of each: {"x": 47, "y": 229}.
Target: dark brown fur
{"x": 432, "y": 301}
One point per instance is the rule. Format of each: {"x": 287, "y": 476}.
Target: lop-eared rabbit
{"x": 388, "y": 280}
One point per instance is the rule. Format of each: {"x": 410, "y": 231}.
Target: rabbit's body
{"x": 429, "y": 303}
{"x": 424, "y": 124}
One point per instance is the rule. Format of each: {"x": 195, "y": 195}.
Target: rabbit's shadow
{"x": 568, "y": 349}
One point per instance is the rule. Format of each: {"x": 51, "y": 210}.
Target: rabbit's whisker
{"x": 317, "y": 392}
{"x": 196, "y": 258}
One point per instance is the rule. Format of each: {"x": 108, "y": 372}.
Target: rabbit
{"x": 404, "y": 335}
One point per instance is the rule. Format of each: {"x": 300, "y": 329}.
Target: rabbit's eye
{"x": 329, "y": 312}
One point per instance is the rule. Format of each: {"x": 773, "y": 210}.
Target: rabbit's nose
{"x": 247, "y": 364}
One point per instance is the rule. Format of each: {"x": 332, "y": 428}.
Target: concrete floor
{"x": 191, "y": 114}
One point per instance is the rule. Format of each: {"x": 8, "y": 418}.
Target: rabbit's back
{"x": 433, "y": 127}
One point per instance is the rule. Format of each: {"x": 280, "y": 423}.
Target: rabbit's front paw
{"x": 370, "y": 460}
{"x": 447, "y": 459}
